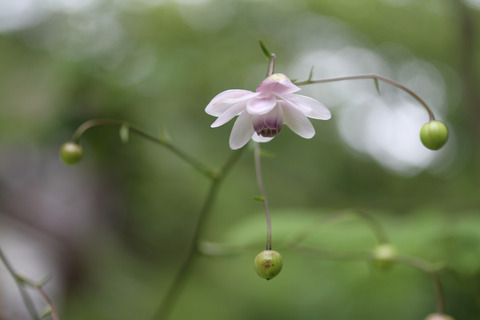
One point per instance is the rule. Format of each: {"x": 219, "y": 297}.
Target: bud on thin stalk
{"x": 384, "y": 255}
{"x": 268, "y": 264}
{"x": 434, "y": 134}
{"x": 71, "y": 153}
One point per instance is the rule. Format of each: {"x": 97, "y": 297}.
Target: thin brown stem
{"x": 53, "y": 310}
{"x": 271, "y": 65}
{"x": 375, "y": 77}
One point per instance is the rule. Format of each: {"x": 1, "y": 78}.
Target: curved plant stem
{"x": 430, "y": 269}
{"x": 331, "y": 254}
{"x": 339, "y": 216}
{"x": 199, "y": 166}
{"x": 411, "y": 261}
{"x": 376, "y": 78}
{"x": 374, "y": 225}
{"x": 21, "y": 283}
{"x": 258, "y": 170}
{"x": 175, "y": 288}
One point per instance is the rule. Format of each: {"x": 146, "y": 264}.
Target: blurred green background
{"x": 113, "y": 230}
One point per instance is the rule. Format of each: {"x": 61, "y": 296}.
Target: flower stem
{"x": 411, "y": 261}
{"x": 339, "y": 216}
{"x": 374, "y": 225}
{"x": 375, "y": 77}
{"x": 199, "y": 166}
{"x": 258, "y": 170}
{"x": 430, "y": 269}
{"x": 175, "y": 288}
{"x": 271, "y": 65}
{"x": 21, "y": 282}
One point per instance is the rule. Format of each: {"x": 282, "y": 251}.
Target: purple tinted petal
{"x": 309, "y": 106}
{"x": 269, "y": 124}
{"x": 277, "y": 83}
{"x": 261, "y": 105}
{"x": 229, "y": 114}
{"x": 242, "y": 98}
{"x": 297, "y": 121}
{"x": 242, "y": 131}
{"x": 224, "y": 100}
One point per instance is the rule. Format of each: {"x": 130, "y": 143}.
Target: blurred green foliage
{"x": 157, "y": 66}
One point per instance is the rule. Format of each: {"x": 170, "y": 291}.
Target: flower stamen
{"x": 268, "y": 132}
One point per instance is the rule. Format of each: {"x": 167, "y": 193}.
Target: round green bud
{"x": 434, "y": 134}
{"x": 268, "y": 264}
{"x": 71, "y": 153}
{"x": 438, "y": 316}
{"x": 384, "y": 255}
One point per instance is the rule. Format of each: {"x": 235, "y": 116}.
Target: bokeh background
{"x": 113, "y": 230}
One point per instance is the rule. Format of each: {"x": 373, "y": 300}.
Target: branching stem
{"x": 175, "y": 288}
{"x": 21, "y": 282}
{"x": 339, "y": 216}
{"x": 199, "y": 166}
{"x": 410, "y": 261}
{"x": 375, "y": 77}
{"x": 430, "y": 269}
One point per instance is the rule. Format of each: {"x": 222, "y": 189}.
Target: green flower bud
{"x": 384, "y": 255}
{"x": 434, "y": 134}
{"x": 438, "y": 316}
{"x": 268, "y": 264}
{"x": 71, "y": 153}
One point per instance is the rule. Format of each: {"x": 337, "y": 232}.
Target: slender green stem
{"x": 374, "y": 225}
{"x": 331, "y": 254}
{"x": 376, "y": 77}
{"x": 339, "y": 216}
{"x": 172, "y": 293}
{"x": 411, "y": 261}
{"x": 199, "y": 166}
{"x": 430, "y": 269}
{"x": 258, "y": 170}
{"x": 21, "y": 282}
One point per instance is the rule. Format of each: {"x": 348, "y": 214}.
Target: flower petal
{"x": 270, "y": 120}
{"x": 261, "y": 105}
{"x": 277, "y": 83}
{"x": 229, "y": 114}
{"x": 242, "y": 131}
{"x": 309, "y": 106}
{"x": 258, "y": 138}
{"x": 224, "y": 100}
{"x": 297, "y": 121}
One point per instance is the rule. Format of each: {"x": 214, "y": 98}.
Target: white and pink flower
{"x": 261, "y": 114}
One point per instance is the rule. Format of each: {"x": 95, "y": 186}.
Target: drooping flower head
{"x": 261, "y": 114}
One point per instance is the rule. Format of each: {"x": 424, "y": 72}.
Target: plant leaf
{"x": 375, "y": 80}
{"x": 265, "y": 51}
{"x": 310, "y": 75}
{"x": 259, "y": 198}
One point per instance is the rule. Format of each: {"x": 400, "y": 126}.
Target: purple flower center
{"x": 268, "y": 125}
